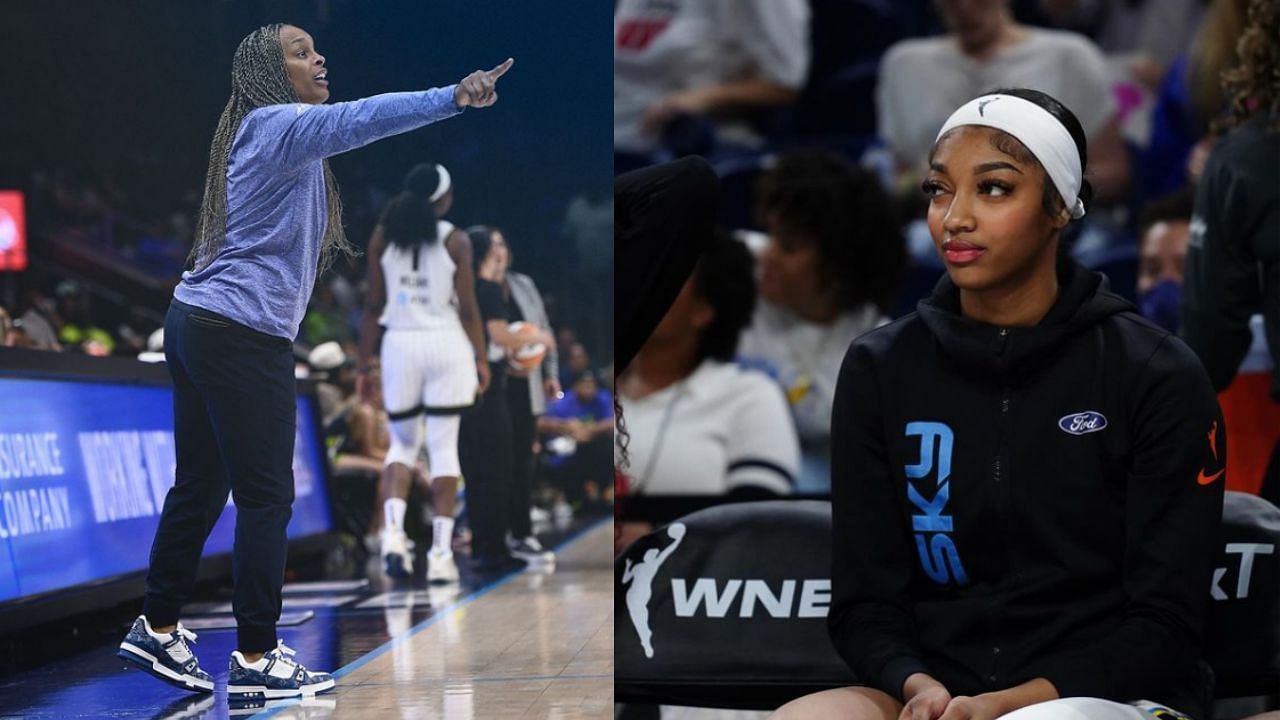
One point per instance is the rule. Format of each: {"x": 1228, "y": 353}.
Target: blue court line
{"x": 389, "y": 645}
{"x": 513, "y": 678}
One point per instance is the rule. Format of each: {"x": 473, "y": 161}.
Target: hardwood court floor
{"x": 536, "y": 646}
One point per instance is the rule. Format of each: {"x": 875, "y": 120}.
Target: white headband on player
{"x": 446, "y": 182}
{"x": 1035, "y": 128}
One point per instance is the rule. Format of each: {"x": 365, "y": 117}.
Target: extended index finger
{"x": 502, "y": 69}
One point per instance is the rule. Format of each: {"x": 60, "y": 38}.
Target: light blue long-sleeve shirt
{"x": 277, "y": 209}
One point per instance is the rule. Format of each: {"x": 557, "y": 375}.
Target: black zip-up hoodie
{"x": 1026, "y": 502}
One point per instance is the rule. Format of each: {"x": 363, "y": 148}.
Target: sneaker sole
{"x": 444, "y": 578}
{"x": 536, "y": 558}
{"x": 395, "y": 566}
{"x": 261, "y": 691}
{"x": 438, "y": 576}
{"x": 148, "y": 662}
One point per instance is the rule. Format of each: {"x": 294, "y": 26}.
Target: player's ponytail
{"x": 410, "y": 218}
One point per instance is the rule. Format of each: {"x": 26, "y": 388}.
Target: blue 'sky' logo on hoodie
{"x": 932, "y": 525}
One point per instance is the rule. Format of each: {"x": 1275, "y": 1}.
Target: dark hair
{"x": 581, "y": 375}
{"x": 725, "y": 278}
{"x": 258, "y": 79}
{"x": 846, "y": 213}
{"x": 1253, "y": 82}
{"x": 410, "y": 217}
{"x": 1010, "y": 145}
{"x": 481, "y": 240}
{"x": 1177, "y": 206}
{"x": 422, "y": 179}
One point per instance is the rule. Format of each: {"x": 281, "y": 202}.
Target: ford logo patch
{"x": 1081, "y": 423}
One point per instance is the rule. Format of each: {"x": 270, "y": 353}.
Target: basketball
{"x": 526, "y": 357}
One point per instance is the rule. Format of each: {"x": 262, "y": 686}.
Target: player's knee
{"x": 855, "y": 703}
{"x": 442, "y": 446}
{"x": 445, "y": 463}
{"x": 406, "y": 443}
{"x": 401, "y": 454}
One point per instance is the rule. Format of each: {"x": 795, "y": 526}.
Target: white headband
{"x": 446, "y": 182}
{"x": 1034, "y": 127}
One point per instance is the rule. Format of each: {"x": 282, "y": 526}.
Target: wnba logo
{"x": 641, "y": 575}
{"x": 938, "y": 554}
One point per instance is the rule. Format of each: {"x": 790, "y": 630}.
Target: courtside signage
{"x": 84, "y": 469}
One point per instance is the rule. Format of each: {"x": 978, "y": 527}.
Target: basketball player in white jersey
{"x": 422, "y": 292}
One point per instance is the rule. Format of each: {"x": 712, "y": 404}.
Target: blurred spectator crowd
{"x": 818, "y": 117}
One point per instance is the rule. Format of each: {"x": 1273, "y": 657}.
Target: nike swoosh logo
{"x": 1206, "y": 479}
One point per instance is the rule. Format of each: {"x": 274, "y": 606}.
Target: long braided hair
{"x": 258, "y": 79}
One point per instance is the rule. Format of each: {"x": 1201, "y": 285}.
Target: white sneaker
{"x": 563, "y": 514}
{"x": 167, "y": 656}
{"x": 397, "y": 558}
{"x": 531, "y": 551}
{"x": 279, "y": 677}
{"x": 440, "y": 567}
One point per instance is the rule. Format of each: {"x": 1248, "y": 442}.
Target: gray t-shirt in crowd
{"x": 923, "y": 81}
{"x": 666, "y": 47}
{"x": 277, "y": 209}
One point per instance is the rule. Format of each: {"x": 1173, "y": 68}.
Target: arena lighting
{"x": 13, "y": 232}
